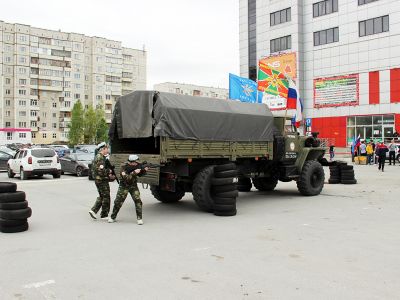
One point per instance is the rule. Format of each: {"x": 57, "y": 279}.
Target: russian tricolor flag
{"x": 294, "y": 102}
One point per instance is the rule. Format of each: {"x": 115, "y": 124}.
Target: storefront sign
{"x": 274, "y": 102}
{"x": 336, "y": 91}
{"x": 285, "y": 63}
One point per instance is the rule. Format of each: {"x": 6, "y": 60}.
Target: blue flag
{"x": 243, "y": 89}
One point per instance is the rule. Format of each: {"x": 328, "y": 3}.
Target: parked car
{"x": 4, "y": 157}
{"x": 36, "y": 161}
{"x": 85, "y": 148}
{"x": 76, "y": 163}
{"x": 60, "y": 150}
{"x": 7, "y": 150}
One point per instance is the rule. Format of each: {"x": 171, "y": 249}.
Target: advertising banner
{"x": 284, "y": 63}
{"x": 336, "y": 91}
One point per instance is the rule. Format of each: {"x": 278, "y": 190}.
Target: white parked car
{"x": 36, "y": 161}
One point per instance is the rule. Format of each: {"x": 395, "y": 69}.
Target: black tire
{"x": 10, "y": 173}
{"x": 14, "y": 205}
{"x": 225, "y": 167}
{"x": 333, "y": 181}
{"x": 12, "y": 223}
{"x": 223, "y": 188}
{"x": 244, "y": 188}
{"x": 347, "y": 178}
{"x": 226, "y": 174}
{"x": 224, "y": 201}
{"x": 17, "y": 196}
{"x": 346, "y": 167}
{"x": 230, "y": 213}
{"x": 231, "y": 194}
{"x": 201, "y": 189}
{"x": 17, "y": 214}
{"x": 265, "y": 183}
{"x": 311, "y": 179}
{"x": 23, "y": 175}
{"x": 8, "y": 187}
{"x": 15, "y": 229}
{"x": 323, "y": 161}
{"x": 165, "y": 196}
{"x": 222, "y": 181}
{"x": 57, "y": 175}
{"x": 347, "y": 172}
{"x": 79, "y": 171}
{"x": 222, "y": 207}
{"x": 398, "y": 158}
{"x": 335, "y": 167}
{"x": 353, "y": 181}
{"x": 334, "y": 178}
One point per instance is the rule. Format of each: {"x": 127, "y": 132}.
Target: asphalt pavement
{"x": 342, "y": 244}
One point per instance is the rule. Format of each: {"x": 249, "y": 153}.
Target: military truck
{"x": 211, "y": 148}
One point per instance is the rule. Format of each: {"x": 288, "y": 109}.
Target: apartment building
{"x": 192, "y": 90}
{"x": 44, "y": 72}
{"x": 343, "y": 54}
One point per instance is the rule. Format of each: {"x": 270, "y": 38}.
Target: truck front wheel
{"x": 165, "y": 196}
{"x": 265, "y": 183}
{"x": 311, "y": 179}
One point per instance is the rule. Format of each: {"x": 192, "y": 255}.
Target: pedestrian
{"x": 102, "y": 176}
{"x": 331, "y": 152}
{"x": 363, "y": 149}
{"x": 381, "y": 152}
{"x": 392, "y": 152}
{"x": 128, "y": 184}
{"x": 370, "y": 154}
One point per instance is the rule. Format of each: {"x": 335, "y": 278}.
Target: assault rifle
{"x": 109, "y": 166}
{"x": 141, "y": 166}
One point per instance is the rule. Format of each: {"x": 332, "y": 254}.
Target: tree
{"x": 90, "y": 126}
{"x": 76, "y": 127}
{"x": 101, "y": 126}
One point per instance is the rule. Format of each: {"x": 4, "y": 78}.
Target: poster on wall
{"x": 336, "y": 91}
{"x": 284, "y": 63}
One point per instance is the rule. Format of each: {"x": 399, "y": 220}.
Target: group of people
{"x": 103, "y": 174}
{"x": 376, "y": 153}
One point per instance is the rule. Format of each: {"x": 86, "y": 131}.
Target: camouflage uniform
{"x": 127, "y": 184}
{"x": 101, "y": 177}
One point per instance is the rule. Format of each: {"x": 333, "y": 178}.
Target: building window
{"x": 22, "y": 135}
{"x": 9, "y": 136}
{"x": 8, "y": 102}
{"x": 54, "y": 115}
{"x": 8, "y": 113}
{"x": 22, "y": 81}
{"x": 362, "y": 2}
{"x": 33, "y": 113}
{"x": 280, "y": 17}
{"x": 22, "y": 124}
{"x": 54, "y": 104}
{"x": 8, "y": 92}
{"x": 22, "y": 102}
{"x": 325, "y": 8}
{"x": 22, "y": 60}
{"x": 34, "y": 102}
{"x": 54, "y": 135}
{"x": 22, "y": 92}
{"x": 44, "y": 135}
{"x": 67, "y": 94}
{"x": 327, "y": 36}
{"x": 99, "y": 97}
{"x": 34, "y": 135}
{"x": 373, "y": 26}
{"x": 44, "y": 125}
{"x": 33, "y": 124}
{"x": 77, "y": 96}
{"x": 8, "y": 124}
{"x": 280, "y": 44}
{"x": 8, "y": 81}
{"x": 54, "y": 125}
{"x": 22, "y": 113}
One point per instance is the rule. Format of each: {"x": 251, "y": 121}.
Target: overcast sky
{"x": 187, "y": 41}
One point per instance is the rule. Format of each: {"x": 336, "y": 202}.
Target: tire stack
{"x": 341, "y": 172}
{"x": 347, "y": 175}
{"x": 14, "y": 210}
{"x": 224, "y": 190}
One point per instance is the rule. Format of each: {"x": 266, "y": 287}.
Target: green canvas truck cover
{"x": 149, "y": 113}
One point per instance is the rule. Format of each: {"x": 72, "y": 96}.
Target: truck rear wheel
{"x": 202, "y": 189}
{"x": 244, "y": 185}
{"x": 265, "y": 183}
{"x": 165, "y": 196}
{"x": 311, "y": 179}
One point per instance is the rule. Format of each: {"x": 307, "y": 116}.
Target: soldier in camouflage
{"x": 128, "y": 184}
{"x": 102, "y": 177}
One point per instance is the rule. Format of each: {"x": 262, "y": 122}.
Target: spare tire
{"x": 226, "y": 174}
{"x": 14, "y": 205}
{"x": 225, "y": 167}
{"x": 15, "y": 229}
{"x": 12, "y": 223}
{"x": 17, "y": 196}
{"x": 8, "y": 187}
{"x": 17, "y": 214}
{"x": 229, "y": 213}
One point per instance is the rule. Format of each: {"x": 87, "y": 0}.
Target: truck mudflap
{"x": 152, "y": 176}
